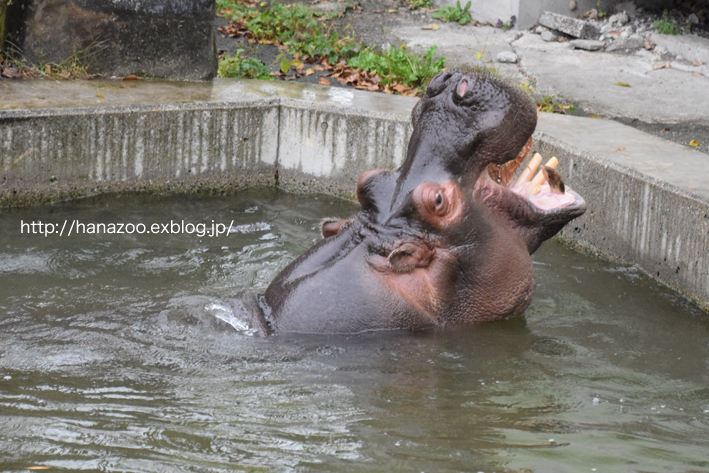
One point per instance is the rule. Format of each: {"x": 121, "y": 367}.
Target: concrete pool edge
{"x": 648, "y": 202}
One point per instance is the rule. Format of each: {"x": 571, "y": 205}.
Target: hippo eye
{"x": 440, "y": 204}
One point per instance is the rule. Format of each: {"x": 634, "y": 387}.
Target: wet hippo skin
{"x": 443, "y": 240}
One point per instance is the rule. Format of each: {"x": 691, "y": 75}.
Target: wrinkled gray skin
{"x": 436, "y": 242}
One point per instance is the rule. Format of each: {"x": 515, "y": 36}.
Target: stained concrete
{"x": 648, "y": 199}
{"x": 159, "y": 38}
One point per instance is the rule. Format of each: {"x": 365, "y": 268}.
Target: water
{"x": 117, "y": 353}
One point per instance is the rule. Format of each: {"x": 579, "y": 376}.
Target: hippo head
{"x": 443, "y": 240}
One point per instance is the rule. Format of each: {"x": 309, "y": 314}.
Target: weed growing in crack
{"x": 240, "y": 66}
{"x": 461, "y": 15}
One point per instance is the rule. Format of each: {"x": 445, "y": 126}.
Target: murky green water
{"x": 113, "y": 358}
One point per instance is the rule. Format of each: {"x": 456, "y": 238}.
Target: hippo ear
{"x": 332, "y": 226}
{"x": 408, "y": 256}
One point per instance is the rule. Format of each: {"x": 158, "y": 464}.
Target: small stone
{"x": 626, "y": 44}
{"x": 572, "y": 5}
{"x": 607, "y": 28}
{"x": 548, "y": 35}
{"x": 660, "y": 50}
{"x": 624, "y": 34}
{"x": 693, "y": 19}
{"x": 620, "y": 18}
{"x": 587, "y": 44}
{"x": 627, "y": 7}
{"x": 539, "y": 29}
{"x": 507, "y": 57}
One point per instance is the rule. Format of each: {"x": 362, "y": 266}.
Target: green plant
{"x": 548, "y": 105}
{"x": 398, "y": 65}
{"x": 296, "y": 26}
{"x": 665, "y": 26}
{"x": 461, "y": 15}
{"x": 243, "y": 67}
{"x": 601, "y": 13}
{"x": 416, "y": 4}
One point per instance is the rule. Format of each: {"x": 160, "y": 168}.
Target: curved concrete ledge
{"x": 648, "y": 199}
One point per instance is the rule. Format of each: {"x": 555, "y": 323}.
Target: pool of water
{"x": 115, "y": 356}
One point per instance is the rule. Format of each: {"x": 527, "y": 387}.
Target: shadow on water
{"x": 115, "y": 356}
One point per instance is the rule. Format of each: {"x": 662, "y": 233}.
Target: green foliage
{"x": 416, "y": 4}
{"x": 665, "y": 26}
{"x": 398, "y": 65}
{"x": 548, "y": 105}
{"x": 461, "y": 15}
{"x": 297, "y": 27}
{"x": 239, "y": 67}
{"x": 601, "y": 13}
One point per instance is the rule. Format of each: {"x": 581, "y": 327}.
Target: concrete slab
{"x": 590, "y": 79}
{"x": 685, "y": 169}
{"x": 689, "y": 46}
{"x": 45, "y": 94}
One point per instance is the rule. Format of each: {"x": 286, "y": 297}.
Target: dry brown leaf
{"x": 131, "y": 77}
{"x": 10, "y": 72}
{"x": 698, "y": 74}
{"x": 309, "y": 72}
{"x": 324, "y": 81}
{"x": 697, "y": 63}
{"x": 621, "y": 148}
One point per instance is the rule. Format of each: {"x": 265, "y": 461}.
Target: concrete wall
{"x": 322, "y": 142}
{"x": 161, "y": 38}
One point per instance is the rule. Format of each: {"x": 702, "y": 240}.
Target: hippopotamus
{"x": 444, "y": 240}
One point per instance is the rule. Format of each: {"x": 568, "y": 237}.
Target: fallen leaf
{"x": 621, "y": 148}
{"x": 479, "y": 54}
{"x": 10, "y": 72}
{"x": 433, "y": 27}
{"x": 666, "y": 129}
{"x": 697, "y": 74}
{"x": 99, "y": 95}
{"x": 691, "y": 187}
{"x": 649, "y": 44}
{"x": 594, "y": 116}
{"x": 622, "y": 84}
{"x": 324, "y": 81}
{"x": 392, "y": 10}
{"x": 309, "y": 72}
{"x": 697, "y": 63}
{"x": 694, "y": 143}
{"x": 131, "y": 77}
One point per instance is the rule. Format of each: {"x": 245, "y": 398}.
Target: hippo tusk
{"x": 540, "y": 178}
{"x": 529, "y": 170}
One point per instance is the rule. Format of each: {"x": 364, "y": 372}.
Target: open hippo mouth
{"x": 537, "y": 202}
{"x": 445, "y": 239}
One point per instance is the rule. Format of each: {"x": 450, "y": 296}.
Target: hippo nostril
{"x": 438, "y": 84}
{"x": 462, "y": 87}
